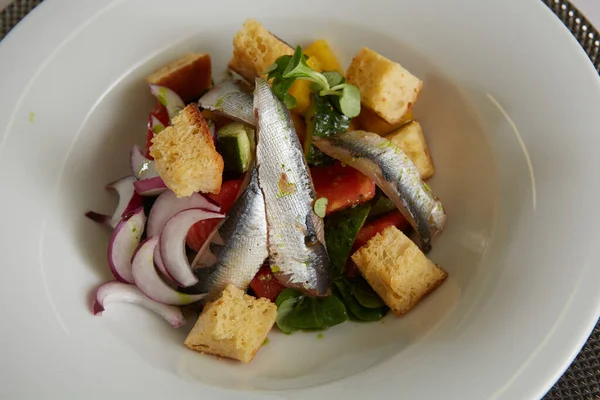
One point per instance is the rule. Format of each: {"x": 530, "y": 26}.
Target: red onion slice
{"x": 129, "y": 201}
{"x": 141, "y": 167}
{"x": 123, "y": 242}
{"x": 146, "y": 278}
{"x": 172, "y": 244}
{"x": 168, "y": 204}
{"x": 168, "y": 98}
{"x": 117, "y": 292}
{"x": 160, "y": 265}
{"x": 150, "y": 187}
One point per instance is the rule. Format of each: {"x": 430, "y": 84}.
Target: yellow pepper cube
{"x": 322, "y": 52}
{"x": 301, "y": 88}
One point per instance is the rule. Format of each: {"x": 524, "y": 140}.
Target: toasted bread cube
{"x": 189, "y": 76}
{"x": 410, "y": 139}
{"x": 185, "y": 155}
{"x": 397, "y": 270}
{"x": 255, "y": 49}
{"x": 385, "y": 86}
{"x": 369, "y": 121}
{"x": 233, "y": 326}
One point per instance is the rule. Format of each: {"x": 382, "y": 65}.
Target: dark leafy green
{"x": 322, "y": 120}
{"x": 317, "y": 313}
{"x": 364, "y": 293}
{"x": 341, "y": 229}
{"x": 287, "y": 294}
{"x": 283, "y": 311}
{"x": 381, "y": 205}
{"x": 356, "y": 310}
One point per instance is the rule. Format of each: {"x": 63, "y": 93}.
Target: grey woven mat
{"x": 582, "y": 379}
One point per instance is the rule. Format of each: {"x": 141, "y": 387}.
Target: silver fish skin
{"x": 298, "y": 256}
{"x": 238, "y": 247}
{"x": 231, "y": 100}
{"x": 394, "y": 173}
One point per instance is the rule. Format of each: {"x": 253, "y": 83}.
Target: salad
{"x": 282, "y": 196}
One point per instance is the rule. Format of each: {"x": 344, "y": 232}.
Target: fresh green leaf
{"x": 341, "y": 229}
{"x": 270, "y": 69}
{"x": 350, "y": 101}
{"x": 281, "y": 87}
{"x": 334, "y": 78}
{"x": 289, "y": 101}
{"x": 322, "y": 120}
{"x": 299, "y": 69}
{"x": 381, "y": 205}
{"x": 287, "y": 294}
{"x": 355, "y": 308}
{"x": 317, "y": 313}
{"x": 281, "y": 64}
{"x": 364, "y": 293}
{"x": 283, "y": 313}
{"x": 321, "y": 206}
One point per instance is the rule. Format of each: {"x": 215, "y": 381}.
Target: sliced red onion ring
{"x": 150, "y": 187}
{"x": 141, "y": 167}
{"x": 146, "y": 278}
{"x": 160, "y": 265}
{"x": 172, "y": 244}
{"x": 168, "y": 98}
{"x": 123, "y": 242}
{"x": 118, "y": 292}
{"x": 129, "y": 201}
{"x": 168, "y": 204}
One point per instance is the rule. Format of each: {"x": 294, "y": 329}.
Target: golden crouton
{"x": 233, "y": 326}
{"x": 369, "y": 121}
{"x": 397, "y": 270}
{"x": 385, "y": 86}
{"x": 189, "y": 76}
{"x": 185, "y": 155}
{"x": 255, "y": 49}
{"x": 410, "y": 139}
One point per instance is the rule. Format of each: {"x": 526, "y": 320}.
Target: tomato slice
{"x": 159, "y": 112}
{"x": 266, "y": 285}
{"x": 225, "y": 198}
{"x": 394, "y": 218}
{"x": 343, "y": 186}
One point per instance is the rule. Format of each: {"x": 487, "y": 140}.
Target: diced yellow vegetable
{"x": 299, "y": 126}
{"x": 301, "y": 88}
{"x": 322, "y": 51}
{"x": 371, "y": 122}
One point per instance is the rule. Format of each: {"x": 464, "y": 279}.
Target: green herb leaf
{"x": 283, "y": 312}
{"x": 299, "y": 69}
{"x": 289, "y": 101}
{"x": 334, "y": 78}
{"x": 355, "y": 308}
{"x": 364, "y": 293}
{"x": 281, "y": 87}
{"x": 317, "y": 313}
{"x": 281, "y": 64}
{"x": 381, "y": 205}
{"x": 287, "y": 294}
{"x": 350, "y": 101}
{"x": 321, "y": 206}
{"x": 341, "y": 229}
{"x": 270, "y": 69}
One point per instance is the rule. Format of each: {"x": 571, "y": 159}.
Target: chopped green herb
{"x": 31, "y": 117}
{"x": 320, "y": 336}
{"x": 321, "y": 206}
{"x": 266, "y": 342}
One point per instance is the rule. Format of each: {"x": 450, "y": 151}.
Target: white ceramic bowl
{"x": 509, "y": 106}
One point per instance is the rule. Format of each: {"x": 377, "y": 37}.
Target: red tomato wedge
{"x": 266, "y": 285}
{"x": 225, "y": 198}
{"x": 343, "y": 186}
{"x": 159, "y": 112}
{"x": 394, "y": 218}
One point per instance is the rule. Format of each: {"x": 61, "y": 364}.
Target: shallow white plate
{"x": 509, "y": 106}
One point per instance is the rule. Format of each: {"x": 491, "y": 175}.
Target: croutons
{"x": 397, "y": 270}
{"x": 189, "y": 76}
{"x": 255, "y": 49}
{"x": 369, "y": 121}
{"x": 233, "y": 326}
{"x": 385, "y": 86}
{"x": 410, "y": 139}
{"x": 185, "y": 155}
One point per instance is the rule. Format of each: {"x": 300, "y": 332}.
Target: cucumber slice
{"x": 235, "y": 142}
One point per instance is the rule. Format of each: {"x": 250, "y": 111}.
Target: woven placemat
{"x": 582, "y": 379}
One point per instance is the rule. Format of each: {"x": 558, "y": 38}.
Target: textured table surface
{"x": 582, "y": 380}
